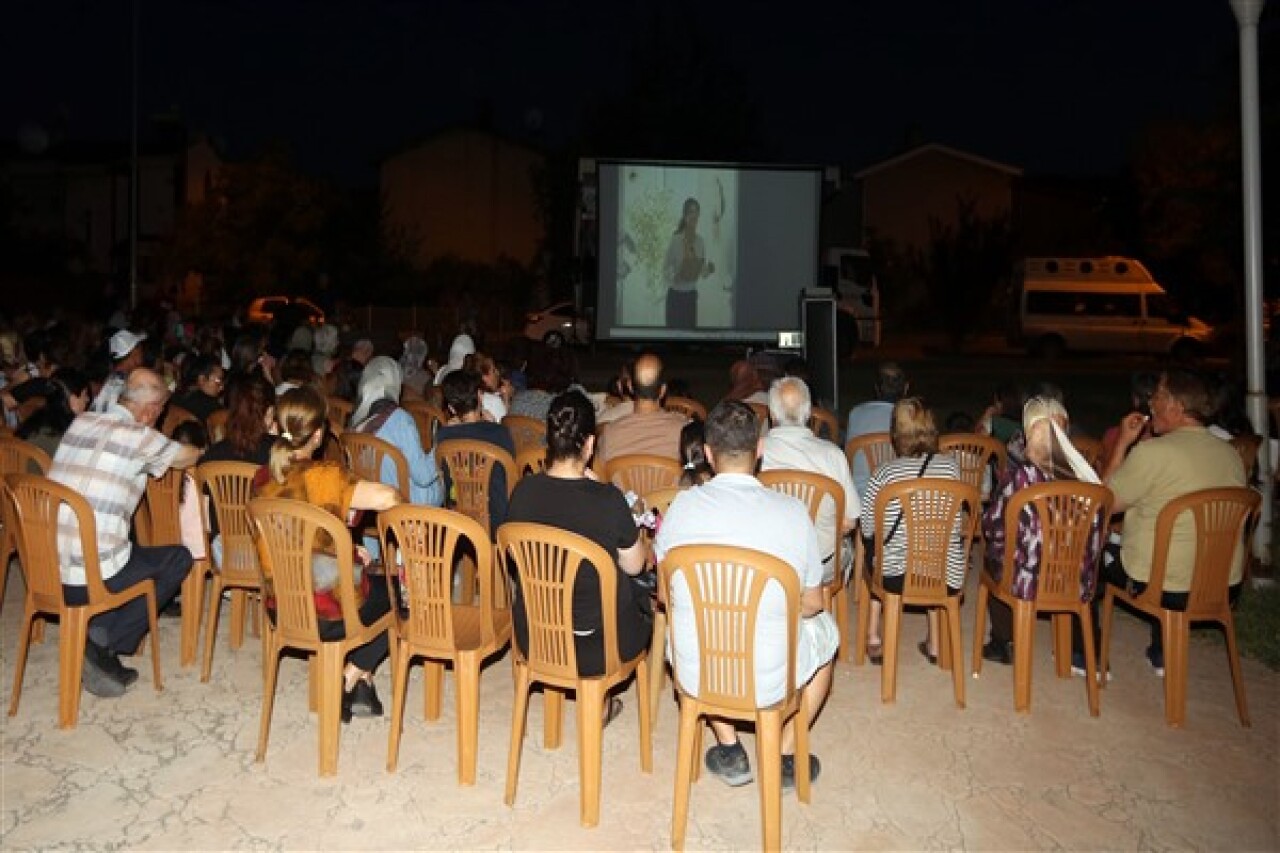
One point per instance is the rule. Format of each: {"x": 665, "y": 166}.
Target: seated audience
{"x": 378, "y": 413}
{"x": 204, "y": 384}
{"x": 461, "y": 390}
{"x": 65, "y": 396}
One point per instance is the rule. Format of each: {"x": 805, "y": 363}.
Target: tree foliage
{"x": 965, "y": 268}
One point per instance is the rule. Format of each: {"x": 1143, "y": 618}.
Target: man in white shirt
{"x": 791, "y": 445}
{"x": 873, "y": 415}
{"x": 734, "y": 508}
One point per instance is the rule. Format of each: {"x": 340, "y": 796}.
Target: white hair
{"x": 380, "y": 380}
{"x": 801, "y": 405}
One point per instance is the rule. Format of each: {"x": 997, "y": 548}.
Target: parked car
{"x": 265, "y": 308}
{"x": 558, "y": 325}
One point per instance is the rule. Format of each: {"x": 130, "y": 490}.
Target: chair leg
{"x": 1176, "y": 630}
{"x": 74, "y": 632}
{"x": 519, "y": 712}
{"x": 1024, "y": 626}
{"x": 686, "y": 759}
{"x": 979, "y": 627}
{"x": 399, "y": 686}
{"x": 20, "y": 666}
{"x": 1062, "y": 644}
{"x": 466, "y": 673}
{"x": 270, "y": 671}
{"x": 801, "y": 723}
{"x": 313, "y": 684}
{"x": 953, "y": 632}
{"x": 842, "y": 621}
{"x": 657, "y": 662}
{"x": 331, "y": 659}
{"x": 239, "y": 602}
{"x": 155, "y": 639}
{"x": 769, "y": 776}
{"x": 864, "y": 613}
{"x": 433, "y": 689}
{"x": 1091, "y": 672}
{"x": 192, "y": 604}
{"x": 590, "y": 706}
{"x": 552, "y": 717}
{"x": 1108, "y": 608}
{"x": 889, "y": 631}
{"x": 646, "y": 718}
{"x": 1237, "y": 678}
{"x": 211, "y": 625}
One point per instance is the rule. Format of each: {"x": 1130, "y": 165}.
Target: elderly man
{"x": 734, "y": 508}
{"x": 649, "y": 428}
{"x": 791, "y": 445}
{"x": 1184, "y": 457}
{"x": 126, "y": 356}
{"x": 873, "y": 416}
{"x": 107, "y": 457}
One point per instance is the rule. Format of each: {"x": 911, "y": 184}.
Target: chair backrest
{"x": 22, "y": 457}
{"x": 726, "y": 585}
{"x": 158, "y": 514}
{"x": 287, "y": 532}
{"x": 526, "y": 432}
{"x": 875, "y": 447}
{"x": 175, "y": 415}
{"x": 1247, "y": 446}
{"x": 230, "y": 486}
{"x": 933, "y": 511}
{"x": 33, "y": 505}
{"x": 975, "y": 454}
{"x": 366, "y": 454}
{"x": 811, "y": 489}
{"x": 339, "y": 414}
{"x": 428, "y": 417}
{"x": 216, "y": 423}
{"x": 422, "y": 544}
{"x": 824, "y": 424}
{"x": 660, "y": 499}
{"x": 546, "y": 560}
{"x": 686, "y": 406}
{"x": 1090, "y": 448}
{"x": 1070, "y": 513}
{"x": 1224, "y": 521}
{"x": 531, "y": 460}
{"x": 642, "y": 473}
{"x": 470, "y": 464}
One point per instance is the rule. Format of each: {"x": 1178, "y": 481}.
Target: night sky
{"x": 1050, "y": 85}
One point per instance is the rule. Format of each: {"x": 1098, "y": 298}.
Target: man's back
{"x": 654, "y": 432}
{"x": 866, "y": 418}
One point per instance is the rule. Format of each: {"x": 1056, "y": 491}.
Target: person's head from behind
{"x": 145, "y": 394}
{"x": 891, "y": 382}
{"x": 246, "y": 351}
{"x": 296, "y": 368}
{"x": 1039, "y": 415}
{"x": 733, "y": 438}
{"x": 789, "y": 402}
{"x": 912, "y": 428}
{"x": 689, "y": 213}
{"x": 647, "y": 384}
{"x": 571, "y": 428}
{"x": 300, "y": 428}
{"x": 362, "y": 350}
{"x": 250, "y": 412}
{"x": 461, "y": 392}
{"x": 551, "y": 370}
{"x": 1182, "y": 398}
{"x": 693, "y": 455}
{"x": 192, "y": 434}
{"x": 380, "y": 380}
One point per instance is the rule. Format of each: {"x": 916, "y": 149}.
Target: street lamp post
{"x": 1247, "y": 14}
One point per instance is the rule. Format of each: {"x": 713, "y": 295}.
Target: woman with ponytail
{"x": 301, "y": 423}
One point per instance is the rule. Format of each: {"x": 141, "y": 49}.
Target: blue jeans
{"x": 121, "y": 630}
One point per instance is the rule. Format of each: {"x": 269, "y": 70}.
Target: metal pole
{"x": 133, "y": 170}
{"x": 1247, "y": 13}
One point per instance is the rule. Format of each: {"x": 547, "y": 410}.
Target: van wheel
{"x": 1185, "y": 351}
{"x": 1050, "y": 347}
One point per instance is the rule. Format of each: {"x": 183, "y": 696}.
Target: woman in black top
{"x": 251, "y": 401}
{"x": 567, "y": 496}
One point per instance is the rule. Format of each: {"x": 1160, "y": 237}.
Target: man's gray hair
{"x": 789, "y": 402}
{"x": 144, "y": 389}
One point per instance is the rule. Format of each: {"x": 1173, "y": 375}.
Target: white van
{"x": 1099, "y": 305}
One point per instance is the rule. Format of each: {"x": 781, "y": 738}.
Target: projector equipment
{"x": 818, "y": 319}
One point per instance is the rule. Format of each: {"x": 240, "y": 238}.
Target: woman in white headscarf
{"x": 378, "y": 412}
{"x": 461, "y": 347}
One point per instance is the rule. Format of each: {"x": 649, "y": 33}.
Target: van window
{"x": 1052, "y": 302}
{"x": 1112, "y": 304}
{"x": 1159, "y": 305}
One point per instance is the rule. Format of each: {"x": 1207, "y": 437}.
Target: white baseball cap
{"x": 123, "y": 342}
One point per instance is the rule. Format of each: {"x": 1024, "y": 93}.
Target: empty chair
{"x": 158, "y": 523}
{"x": 31, "y": 506}
{"x": 235, "y": 565}
{"x": 1224, "y": 521}
{"x": 16, "y": 457}
{"x": 641, "y": 473}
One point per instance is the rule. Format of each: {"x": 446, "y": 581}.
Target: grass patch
{"x": 1258, "y": 623}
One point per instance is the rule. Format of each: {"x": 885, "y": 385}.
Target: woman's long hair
{"x": 249, "y": 397}
{"x": 299, "y": 413}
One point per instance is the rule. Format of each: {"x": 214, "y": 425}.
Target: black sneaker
{"x": 730, "y": 764}
{"x": 998, "y": 651}
{"x": 364, "y": 700}
{"x": 1155, "y": 657}
{"x": 789, "y": 771}
{"x": 109, "y": 662}
{"x": 172, "y": 610}
{"x": 96, "y": 678}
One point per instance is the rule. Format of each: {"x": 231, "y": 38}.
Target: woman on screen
{"x": 685, "y": 264}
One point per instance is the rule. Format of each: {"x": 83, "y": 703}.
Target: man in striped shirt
{"x": 107, "y": 457}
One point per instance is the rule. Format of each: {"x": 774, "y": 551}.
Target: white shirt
{"x": 737, "y": 509}
{"x": 796, "y": 448}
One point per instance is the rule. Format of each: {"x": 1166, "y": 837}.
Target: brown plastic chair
{"x": 727, "y": 672}
{"x": 875, "y": 447}
{"x": 31, "y": 506}
{"x": 1069, "y": 512}
{"x": 531, "y": 460}
{"x": 471, "y": 464}
{"x": 287, "y": 532}
{"x": 421, "y": 543}
{"x": 339, "y": 414}
{"x": 825, "y": 424}
{"x": 526, "y": 432}
{"x": 1090, "y": 448}
{"x": 975, "y": 455}
{"x": 547, "y": 561}
{"x": 157, "y": 523}
{"x": 229, "y": 486}
{"x": 428, "y": 417}
{"x": 686, "y": 406}
{"x": 1247, "y": 446}
{"x": 1224, "y": 520}
{"x": 175, "y": 415}
{"x": 216, "y": 423}
{"x": 642, "y": 473}
{"x": 931, "y": 510}
{"x": 762, "y": 415}
{"x": 812, "y": 489}
{"x": 17, "y": 457}
{"x": 366, "y": 454}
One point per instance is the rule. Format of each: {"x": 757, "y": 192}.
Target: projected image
{"x": 677, "y": 247}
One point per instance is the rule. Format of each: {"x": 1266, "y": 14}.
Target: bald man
{"x": 650, "y": 428}
{"x": 107, "y": 457}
